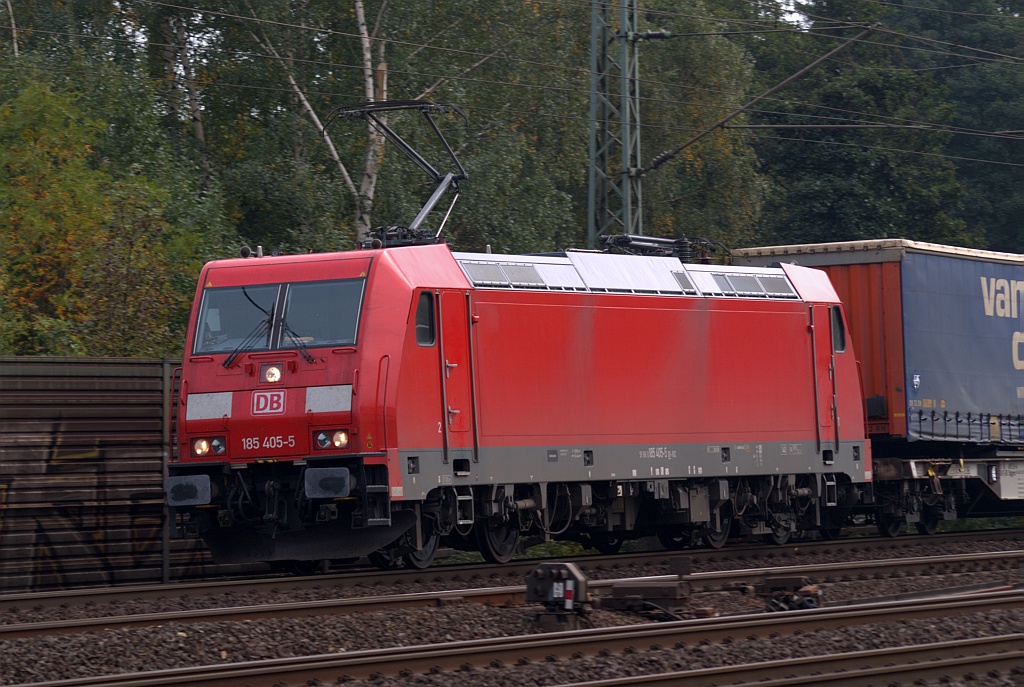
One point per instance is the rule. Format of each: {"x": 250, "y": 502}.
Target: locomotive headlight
{"x": 337, "y": 438}
{"x": 207, "y": 446}
{"x": 271, "y": 374}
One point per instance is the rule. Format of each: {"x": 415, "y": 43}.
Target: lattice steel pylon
{"x": 614, "y": 198}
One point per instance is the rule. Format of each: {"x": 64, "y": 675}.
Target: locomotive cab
{"x": 277, "y": 460}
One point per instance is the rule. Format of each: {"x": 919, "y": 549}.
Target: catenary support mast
{"x": 614, "y": 199}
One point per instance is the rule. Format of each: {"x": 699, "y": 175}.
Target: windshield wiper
{"x": 255, "y": 304}
{"x": 248, "y": 342}
{"x": 262, "y": 328}
{"x": 299, "y": 343}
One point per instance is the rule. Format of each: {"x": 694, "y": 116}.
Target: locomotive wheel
{"x": 301, "y": 568}
{"x": 606, "y": 542}
{"x": 928, "y": 523}
{"x": 674, "y": 538}
{"x": 423, "y": 558}
{"x": 497, "y": 542}
{"x": 381, "y": 560}
{"x": 888, "y": 526}
{"x": 715, "y": 539}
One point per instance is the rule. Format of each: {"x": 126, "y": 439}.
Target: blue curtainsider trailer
{"x": 939, "y": 331}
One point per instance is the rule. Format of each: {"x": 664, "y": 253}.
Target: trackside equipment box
{"x": 938, "y": 331}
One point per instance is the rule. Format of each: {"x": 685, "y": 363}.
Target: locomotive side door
{"x": 456, "y": 380}
{"x": 824, "y": 380}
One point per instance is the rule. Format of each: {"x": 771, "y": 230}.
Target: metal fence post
{"x": 165, "y": 453}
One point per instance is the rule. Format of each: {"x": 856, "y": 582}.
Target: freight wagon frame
{"x": 940, "y": 339}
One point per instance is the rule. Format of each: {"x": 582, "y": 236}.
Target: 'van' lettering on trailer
{"x": 267, "y": 402}
{"x": 1002, "y": 298}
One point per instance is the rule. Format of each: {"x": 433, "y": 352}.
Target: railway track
{"x": 737, "y": 579}
{"x": 875, "y": 668}
{"x": 476, "y": 575}
{"x": 857, "y": 668}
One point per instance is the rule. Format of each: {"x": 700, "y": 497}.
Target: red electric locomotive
{"x": 376, "y": 402}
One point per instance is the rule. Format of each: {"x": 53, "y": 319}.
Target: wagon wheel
{"x": 674, "y": 538}
{"x": 779, "y": 535}
{"x": 497, "y": 542}
{"x": 889, "y": 526}
{"x": 830, "y": 533}
{"x": 424, "y": 557}
{"x": 928, "y": 523}
{"x": 715, "y": 539}
{"x": 606, "y": 542}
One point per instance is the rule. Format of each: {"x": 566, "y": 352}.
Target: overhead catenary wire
{"x": 643, "y": 81}
{"x": 472, "y": 53}
{"x": 427, "y": 75}
{"x": 1016, "y": 59}
{"x": 523, "y": 85}
{"x": 648, "y": 100}
{"x": 810, "y": 32}
{"x": 664, "y": 157}
{"x": 569, "y": 117}
{"x": 1009, "y": 135}
{"x": 889, "y": 149}
{"x": 955, "y": 13}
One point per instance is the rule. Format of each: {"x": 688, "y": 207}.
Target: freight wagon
{"x": 938, "y": 331}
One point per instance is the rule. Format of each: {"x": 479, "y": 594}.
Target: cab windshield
{"x": 264, "y": 317}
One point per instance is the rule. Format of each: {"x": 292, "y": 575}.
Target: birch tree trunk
{"x": 14, "y": 28}
{"x": 375, "y": 88}
{"x": 195, "y": 112}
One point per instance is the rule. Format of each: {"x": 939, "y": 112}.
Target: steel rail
{"x": 854, "y": 570}
{"x": 881, "y": 667}
{"x": 592, "y": 565}
{"x": 719, "y": 580}
{"x": 510, "y": 650}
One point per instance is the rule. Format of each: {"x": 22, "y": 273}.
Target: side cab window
{"x": 425, "y": 330}
{"x": 838, "y": 330}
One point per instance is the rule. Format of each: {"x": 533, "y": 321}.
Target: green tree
{"x": 127, "y": 296}
{"x": 516, "y": 70}
{"x": 51, "y": 206}
{"x": 91, "y": 263}
{"x": 853, "y": 183}
{"x": 713, "y": 188}
{"x": 241, "y": 90}
{"x": 975, "y": 56}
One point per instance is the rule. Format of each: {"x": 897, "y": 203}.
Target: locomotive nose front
{"x": 266, "y": 403}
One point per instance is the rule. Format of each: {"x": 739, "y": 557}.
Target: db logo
{"x": 267, "y": 402}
